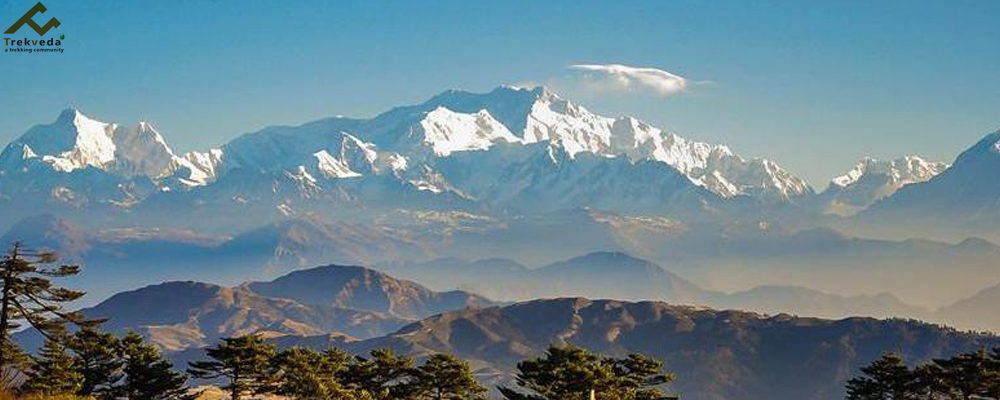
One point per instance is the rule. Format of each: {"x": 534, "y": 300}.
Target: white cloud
{"x": 623, "y": 78}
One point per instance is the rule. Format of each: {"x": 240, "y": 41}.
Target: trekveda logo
{"x": 27, "y": 19}
{"x": 25, "y": 45}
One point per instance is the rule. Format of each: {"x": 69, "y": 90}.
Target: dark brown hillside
{"x": 365, "y": 289}
{"x": 716, "y": 354}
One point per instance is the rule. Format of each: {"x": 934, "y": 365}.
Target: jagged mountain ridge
{"x": 510, "y": 150}
{"x": 521, "y": 142}
{"x": 75, "y": 141}
{"x": 873, "y": 179}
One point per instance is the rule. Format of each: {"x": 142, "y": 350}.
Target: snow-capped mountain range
{"x": 75, "y": 142}
{"x": 409, "y": 138}
{"x": 520, "y": 150}
{"x": 873, "y": 179}
{"x": 966, "y": 193}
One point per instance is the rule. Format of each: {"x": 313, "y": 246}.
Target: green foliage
{"x": 53, "y": 372}
{"x": 973, "y": 375}
{"x": 445, "y": 377}
{"x": 16, "y": 360}
{"x": 571, "y": 372}
{"x": 886, "y": 378}
{"x": 96, "y": 355}
{"x": 308, "y": 374}
{"x": 29, "y": 299}
{"x": 383, "y": 375}
{"x": 245, "y": 362}
{"x": 148, "y": 376}
{"x": 637, "y": 377}
{"x": 967, "y": 375}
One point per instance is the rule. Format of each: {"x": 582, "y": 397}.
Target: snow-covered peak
{"x": 333, "y": 167}
{"x": 715, "y": 167}
{"x": 412, "y": 144}
{"x": 73, "y": 141}
{"x": 900, "y": 171}
{"x": 141, "y": 150}
{"x": 446, "y": 131}
{"x": 569, "y": 125}
{"x": 457, "y": 122}
{"x": 872, "y": 179}
{"x": 198, "y": 168}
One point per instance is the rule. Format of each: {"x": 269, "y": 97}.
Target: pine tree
{"x": 993, "y": 366}
{"x": 305, "y": 374}
{"x": 637, "y": 377}
{"x": 97, "y": 359}
{"x": 243, "y": 361}
{"x": 148, "y": 376}
{"x": 973, "y": 375}
{"x": 16, "y": 362}
{"x": 887, "y": 378}
{"x": 383, "y": 375}
{"x": 969, "y": 375}
{"x": 570, "y": 372}
{"x": 308, "y": 374}
{"x": 28, "y": 298}
{"x": 928, "y": 382}
{"x": 445, "y": 377}
{"x": 53, "y": 372}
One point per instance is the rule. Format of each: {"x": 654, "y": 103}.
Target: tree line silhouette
{"x": 965, "y": 376}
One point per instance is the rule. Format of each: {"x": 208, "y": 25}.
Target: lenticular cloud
{"x": 623, "y": 78}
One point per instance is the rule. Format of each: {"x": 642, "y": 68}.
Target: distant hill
{"x": 738, "y": 256}
{"x": 180, "y": 316}
{"x": 615, "y": 275}
{"x": 979, "y": 311}
{"x": 599, "y": 274}
{"x": 716, "y": 354}
{"x": 364, "y": 289}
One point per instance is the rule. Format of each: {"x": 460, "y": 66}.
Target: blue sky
{"x": 812, "y": 85}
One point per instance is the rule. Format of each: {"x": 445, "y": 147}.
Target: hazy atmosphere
{"x": 499, "y": 200}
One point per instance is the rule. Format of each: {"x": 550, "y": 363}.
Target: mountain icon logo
{"x": 27, "y": 19}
